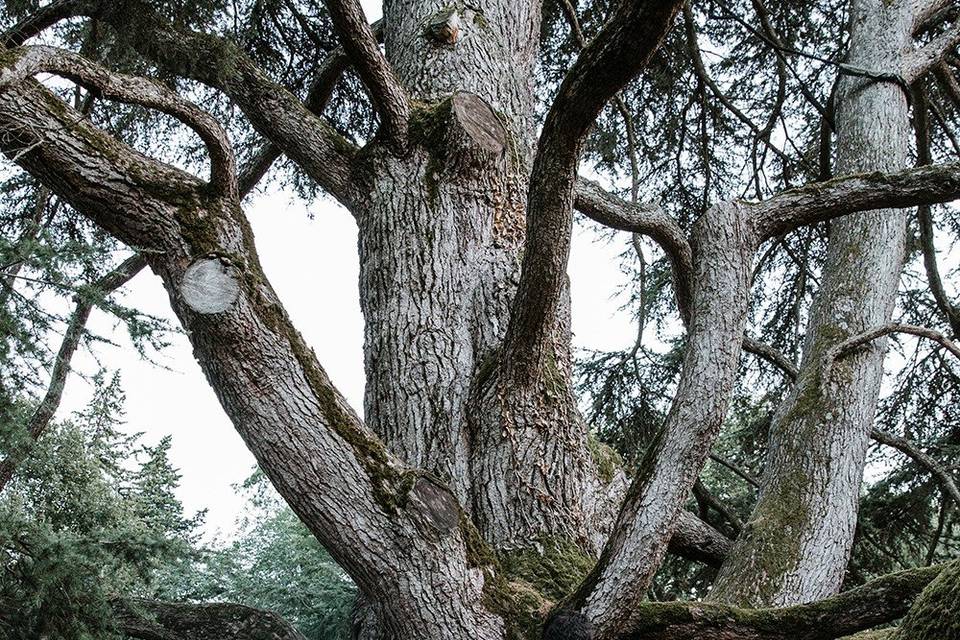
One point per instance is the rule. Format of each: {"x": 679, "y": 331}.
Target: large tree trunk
{"x": 440, "y": 243}
{"x": 796, "y": 545}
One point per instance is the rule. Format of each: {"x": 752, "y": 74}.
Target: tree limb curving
{"x": 154, "y": 620}
{"x": 619, "y": 51}
{"x": 24, "y": 62}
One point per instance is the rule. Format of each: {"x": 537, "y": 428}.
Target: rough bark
{"x": 795, "y": 545}
{"x": 440, "y": 210}
{"x": 397, "y": 533}
{"x": 723, "y": 248}
{"x": 152, "y": 620}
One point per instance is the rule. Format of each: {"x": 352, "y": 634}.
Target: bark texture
{"x": 796, "y": 544}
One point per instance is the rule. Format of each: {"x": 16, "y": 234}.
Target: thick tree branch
{"x": 696, "y": 540}
{"x": 392, "y": 529}
{"x": 821, "y": 201}
{"x": 927, "y": 11}
{"x": 358, "y": 40}
{"x": 930, "y": 55}
{"x": 90, "y": 297}
{"x": 37, "y": 22}
{"x": 647, "y": 219}
{"x": 152, "y": 620}
{"x": 877, "y": 602}
{"x": 318, "y": 95}
{"x": 619, "y": 51}
{"x": 24, "y": 62}
{"x": 278, "y": 115}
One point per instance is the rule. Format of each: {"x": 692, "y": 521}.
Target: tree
{"x": 73, "y": 536}
{"x": 472, "y": 501}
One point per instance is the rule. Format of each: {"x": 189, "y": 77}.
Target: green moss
{"x": 606, "y": 459}
{"x": 522, "y": 607}
{"x": 553, "y": 566}
{"x": 936, "y": 613}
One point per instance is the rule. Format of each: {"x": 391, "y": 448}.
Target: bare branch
{"x": 859, "y": 341}
{"x": 944, "y": 479}
{"x": 24, "y": 62}
{"x": 76, "y": 327}
{"x": 821, "y": 201}
{"x": 358, "y": 40}
{"x": 619, "y": 51}
{"x": 693, "y": 47}
{"x": 773, "y": 356}
{"x": 647, "y": 219}
{"x": 922, "y": 126}
{"x": 735, "y": 469}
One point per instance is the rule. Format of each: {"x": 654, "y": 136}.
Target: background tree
{"x": 473, "y": 500}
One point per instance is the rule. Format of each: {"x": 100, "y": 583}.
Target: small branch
{"x": 358, "y": 40}
{"x": 693, "y": 48}
{"x": 944, "y": 479}
{"x": 735, "y": 469}
{"x": 61, "y": 367}
{"x": 29, "y": 61}
{"x": 925, "y": 219}
{"x": 321, "y": 89}
{"x": 773, "y": 356}
{"x": 704, "y": 495}
{"x": 821, "y": 201}
{"x": 855, "y": 343}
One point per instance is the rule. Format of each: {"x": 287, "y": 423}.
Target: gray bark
{"x": 440, "y": 202}
{"x": 796, "y": 544}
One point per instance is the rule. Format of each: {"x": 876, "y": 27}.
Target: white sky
{"x": 314, "y": 267}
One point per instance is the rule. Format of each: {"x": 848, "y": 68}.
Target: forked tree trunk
{"x": 795, "y": 546}
{"x": 440, "y": 245}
